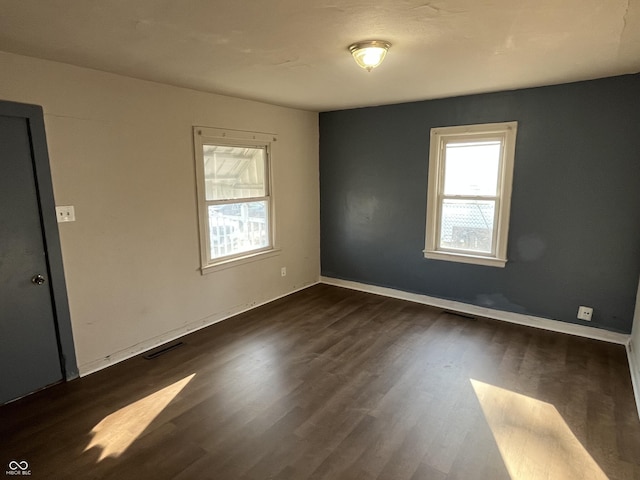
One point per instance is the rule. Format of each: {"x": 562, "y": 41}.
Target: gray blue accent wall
{"x": 574, "y": 236}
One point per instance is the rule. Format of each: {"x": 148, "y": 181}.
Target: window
{"x": 469, "y": 193}
{"x": 234, "y": 194}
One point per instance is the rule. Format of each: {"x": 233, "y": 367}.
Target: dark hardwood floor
{"x": 335, "y": 384}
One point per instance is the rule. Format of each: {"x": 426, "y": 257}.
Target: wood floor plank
{"x": 330, "y": 383}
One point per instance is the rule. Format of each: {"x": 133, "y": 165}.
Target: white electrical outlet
{"x": 65, "y": 213}
{"x": 283, "y": 271}
{"x": 584, "y": 313}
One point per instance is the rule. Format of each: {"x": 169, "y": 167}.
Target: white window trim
{"x": 217, "y": 136}
{"x": 506, "y": 131}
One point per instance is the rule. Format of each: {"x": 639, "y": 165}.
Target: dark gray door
{"x": 29, "y": 350}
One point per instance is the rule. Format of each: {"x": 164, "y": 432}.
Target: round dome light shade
{"x": 369, "y": 54}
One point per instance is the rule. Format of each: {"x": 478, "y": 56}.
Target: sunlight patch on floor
{"x": 533, "y": 438}
{"x": 116, "y": 432}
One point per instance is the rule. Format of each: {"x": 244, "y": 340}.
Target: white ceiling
{"x": 294, "y": 52}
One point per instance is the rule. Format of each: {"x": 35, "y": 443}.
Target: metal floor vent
{"x": 161, "y": 350}
{"x": 462, "y": 315}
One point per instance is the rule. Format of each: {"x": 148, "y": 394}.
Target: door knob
{"x": 38, "y": 279}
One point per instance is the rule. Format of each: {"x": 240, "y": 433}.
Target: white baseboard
{"x": 138, "y": 348}
{"x": 518, "y": 318}
{"x": 634, "y": 368}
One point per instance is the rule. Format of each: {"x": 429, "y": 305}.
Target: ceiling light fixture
{"x": 369, "y": 54}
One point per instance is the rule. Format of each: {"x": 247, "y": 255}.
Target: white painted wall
{"x": 121, "y": 152}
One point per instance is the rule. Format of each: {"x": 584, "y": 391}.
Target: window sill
{"x": 234, "y": 262}
{"x": 465, "y": 258}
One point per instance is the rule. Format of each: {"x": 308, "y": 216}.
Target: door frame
{"x": 34, "y": 115}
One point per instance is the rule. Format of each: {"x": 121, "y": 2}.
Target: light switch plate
{"x": 65, "y": 213}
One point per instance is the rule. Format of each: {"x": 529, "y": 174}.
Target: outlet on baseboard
{"x": 585, "y": 313}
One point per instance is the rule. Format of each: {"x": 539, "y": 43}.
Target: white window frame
{"x": 236, "y": 138}
{"x": 440, "y": 136}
